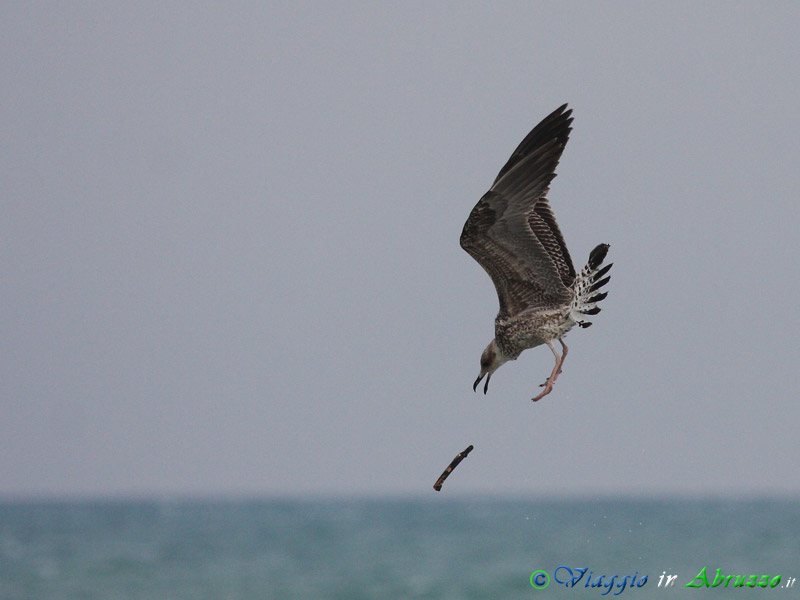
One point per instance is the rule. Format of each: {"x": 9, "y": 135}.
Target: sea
{"x": 370, "y": 548}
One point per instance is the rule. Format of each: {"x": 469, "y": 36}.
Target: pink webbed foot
{"x": 548, "y": 385}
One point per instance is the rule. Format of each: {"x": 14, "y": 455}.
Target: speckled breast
{"x": 525, "y": 331}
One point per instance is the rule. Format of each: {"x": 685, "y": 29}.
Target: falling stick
{"x": 459, "y": 457}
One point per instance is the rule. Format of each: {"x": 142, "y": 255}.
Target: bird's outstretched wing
{"x": 512, "y": 231}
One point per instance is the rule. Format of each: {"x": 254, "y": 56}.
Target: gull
{"x": 513, "y": 235}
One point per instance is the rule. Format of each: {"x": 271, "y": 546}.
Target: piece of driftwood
{"x": 459, "y": 457}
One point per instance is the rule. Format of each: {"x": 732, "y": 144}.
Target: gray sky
{"x": 231, "y": 260}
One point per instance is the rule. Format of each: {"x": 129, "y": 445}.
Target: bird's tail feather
{"x": 587, "y": 287}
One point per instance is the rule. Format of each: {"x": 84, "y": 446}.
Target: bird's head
{"x": 491, "y": 360}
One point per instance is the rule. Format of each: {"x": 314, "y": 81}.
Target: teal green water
{"x": 352, "y": 549}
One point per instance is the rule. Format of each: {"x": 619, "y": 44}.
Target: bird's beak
{"x": 478, "y": 380}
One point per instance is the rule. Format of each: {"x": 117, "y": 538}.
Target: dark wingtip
{"x": 563, "y": 109}
{"x": 603, "y": 271}
{"x": 597, "y": 255}
{"x": 598, "y": 284}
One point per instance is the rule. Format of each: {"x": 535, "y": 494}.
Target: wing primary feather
{"x": 512, "y": 232}
{"x": 556, "y": 126}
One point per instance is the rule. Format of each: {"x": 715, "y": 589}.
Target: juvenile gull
{"x": 513, "y": 235}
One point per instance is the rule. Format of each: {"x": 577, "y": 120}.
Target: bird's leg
{"x": 563, "y": 354}
{"x": 548, "y": 385}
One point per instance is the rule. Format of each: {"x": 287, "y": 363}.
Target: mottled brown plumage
{"x": 513, "y": 235}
